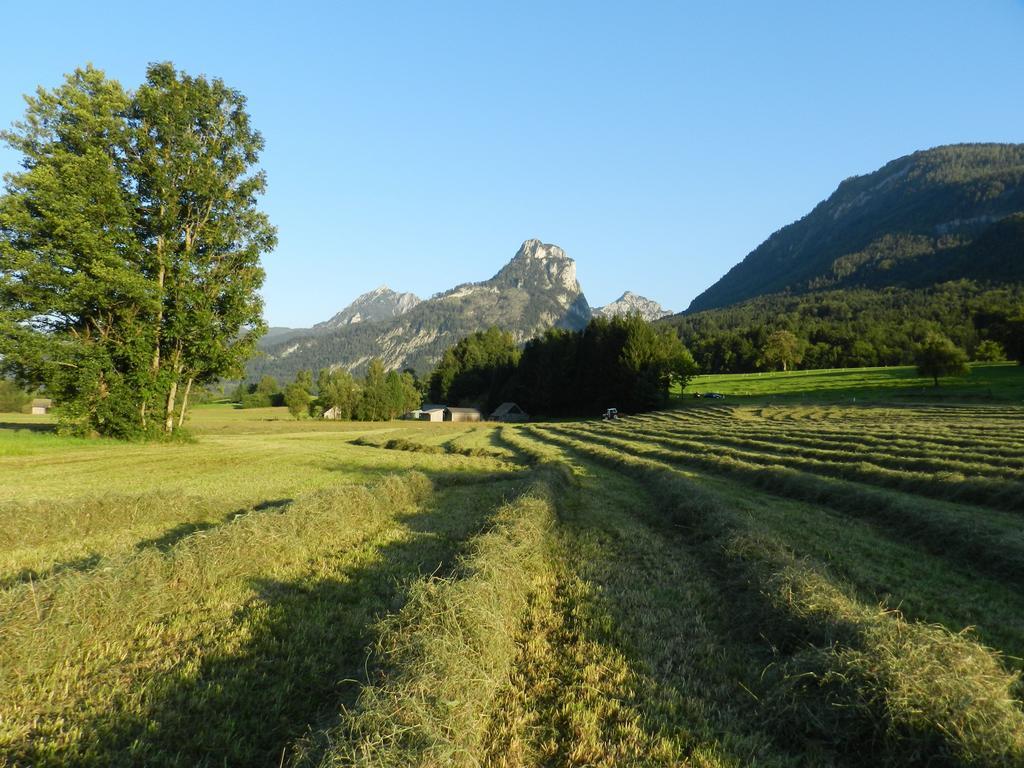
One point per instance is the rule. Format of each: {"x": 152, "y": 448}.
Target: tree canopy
{"x": 938, "y": 356}
{"x": 855, "y": 328}
{"x": 474, "y": 371}
{"x": 623, "y": 362}
{"x": 129, "y": 247}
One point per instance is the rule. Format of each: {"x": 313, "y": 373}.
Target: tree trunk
{"x": 172, "y": 395}
{"x": 160, "y": 309}
{"x": 184, "y": 402}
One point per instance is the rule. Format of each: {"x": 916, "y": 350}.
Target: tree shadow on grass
{"x": 27, "y": 426}
{"x": 165, "y": 541}
{"x": 27, "y": 575}
{"x": 497, "y": 440}
{"x": 300, "y": 659}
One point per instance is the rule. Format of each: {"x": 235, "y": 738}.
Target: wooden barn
{"x": 41, "y": 406}
{"x": 437, "y": 413}
{"x": 462, "y": 414}
{"x": 509, "y": 412}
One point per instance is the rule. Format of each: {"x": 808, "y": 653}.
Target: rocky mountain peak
{"x": 381, "y": 303}
{"x": 630, "y": 302}
{"x": 538, "y": 266}
{"x": 534, "y": 291}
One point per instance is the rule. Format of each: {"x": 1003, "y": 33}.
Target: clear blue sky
{"x": 419, "y": 144}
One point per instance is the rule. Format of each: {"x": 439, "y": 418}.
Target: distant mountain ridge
{"x": 534, "y": 291}
{"x": 948, "y": 213}
{"x": 629, "y": 303}
{"x": 381, "y": 303}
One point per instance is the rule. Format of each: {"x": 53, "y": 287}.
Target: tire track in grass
{"x": 627, "y": 664}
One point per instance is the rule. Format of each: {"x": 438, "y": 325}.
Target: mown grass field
{"x": 727, "y": 583}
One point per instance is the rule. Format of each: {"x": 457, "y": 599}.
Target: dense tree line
{"x": 378, "y": 396}
{"x": 477, "y": 369}
{"x": 855, "y": 328}
{"x": 623, "y": 362}
{"x": 129, "y": 247}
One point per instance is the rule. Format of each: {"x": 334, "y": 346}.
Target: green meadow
{"x": 823, "y": 568}
{"x": 997, "y": 382}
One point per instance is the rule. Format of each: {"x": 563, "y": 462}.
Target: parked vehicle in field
{"x": 611, "y": 413}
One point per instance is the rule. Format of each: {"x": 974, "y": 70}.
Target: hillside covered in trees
{"x": 857, "y": 327}
{"x": 932, "y": 243}
{"x": 949, "y": 213}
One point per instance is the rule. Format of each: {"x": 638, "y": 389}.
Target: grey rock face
{"x": 629, "y": 303}
{"x": 536, "y": 290}
{"x": 381, "y": 303}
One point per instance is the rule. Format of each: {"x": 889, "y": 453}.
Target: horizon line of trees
{"x": 623, "y": 362}
{"x": 380, "y": 395}
{"x": 855, "y": 329}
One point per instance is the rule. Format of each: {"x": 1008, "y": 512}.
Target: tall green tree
{"x": 297, "y": 398}
{"x": 193, "y": 161}
{"x": 782, "y": 349}
{"x": 77, "y": 305}
{"x": 337, "y": 389}
{"x": 476, "y": 369}
{"x": 374, "y": 402}
{"x": 938, "y": 356}
{"x": 624, "y": 362}
{"x": 129, "y": 246}
{"x": 12, "y": 397}
{"x": 402, "y": 393}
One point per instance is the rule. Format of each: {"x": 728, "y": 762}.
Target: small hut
{"x": 461, "y": 414}
{"x": 41, "y": 406}
{"x": 436, "y": 413}
{"x": 509, "y": 412}
{"x": 332, "y": 413}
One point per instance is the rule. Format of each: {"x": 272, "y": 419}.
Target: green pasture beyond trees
{"x": 996, "y": 382}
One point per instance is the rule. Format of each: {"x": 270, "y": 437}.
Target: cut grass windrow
{"x": 889, "y": 456}
{"x": 449, "y": 447}
{"x": 995, "y": 492}
{"x": 447, "y": 654}
{"x": 240, "y": 636}
{"x": 988, "y": 542}
{"x": 950, "y": 434}
{"x": 849, "y": 673}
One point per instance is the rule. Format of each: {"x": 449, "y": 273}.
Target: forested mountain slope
{"x": 949, "y": 213}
